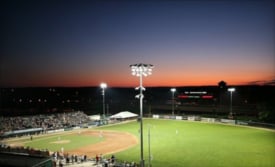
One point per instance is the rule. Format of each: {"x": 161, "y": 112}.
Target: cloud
{"x": 262, "y": 82}
{"x": 272, "y": 82}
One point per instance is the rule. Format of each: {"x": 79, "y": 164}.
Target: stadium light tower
{"x": 103, "y": 87}
{"x": 141, "y": 70}
{"x": 173, "y": 90}
{"x": 231, "y": 90}
{"x": 149, "y": 145}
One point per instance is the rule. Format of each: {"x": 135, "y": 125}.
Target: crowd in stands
{"x": 61, "y": 159}
{"x": 99, "y": 160}
{"x": 52, "y": 122}
{"x": 65, "y": 159}
{"x": 47, "y": 122}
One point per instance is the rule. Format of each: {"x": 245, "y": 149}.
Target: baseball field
{"x": 172, "y": 143}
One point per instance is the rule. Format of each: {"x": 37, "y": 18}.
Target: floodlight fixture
{"x": 103, "y": 85}
{"x": 231, "y": 89}
{"x": 173, "y": 89}
{"x": 141, "y": 70}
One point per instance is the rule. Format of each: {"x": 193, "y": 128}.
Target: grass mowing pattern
{"x": 193, "y": 144}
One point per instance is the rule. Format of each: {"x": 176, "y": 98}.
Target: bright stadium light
{"x": 231, "y": 90}
{"x": 173, "y": 90}
{"x": 103, "y": 87}
{"x": 141, "y": 70}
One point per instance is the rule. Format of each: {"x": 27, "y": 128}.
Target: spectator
{"x": 97, "y": 159}
{"x": 112, "y": 159}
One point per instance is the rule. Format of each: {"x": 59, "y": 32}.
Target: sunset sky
{"x": 190, "y": 43}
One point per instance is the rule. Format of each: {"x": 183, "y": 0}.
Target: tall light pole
{"x": 173, "y": 90}
{"x": 103, "y": 87}
{"x": 141, "y": 70}
{"x": 231, "y": 90}
{"x": 149, "y": 145}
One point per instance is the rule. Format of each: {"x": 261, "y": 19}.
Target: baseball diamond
{"x": 172, "y": 143}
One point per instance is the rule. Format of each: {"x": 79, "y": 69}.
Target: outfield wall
{"x": 214, "y": 120}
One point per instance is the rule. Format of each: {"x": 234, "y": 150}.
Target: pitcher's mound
{"x": 61, "y": 142}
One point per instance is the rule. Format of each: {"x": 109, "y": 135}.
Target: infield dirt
{"x": 113, "y": 142}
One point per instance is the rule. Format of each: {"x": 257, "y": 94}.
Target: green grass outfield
{"x": 190, "y": 144}
{"x": 49, "y": 142}
{"x": 194, "y": 144}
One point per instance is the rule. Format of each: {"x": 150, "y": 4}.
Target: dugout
{"x": 22, "y": 132}
{"x": 23, "y": 160}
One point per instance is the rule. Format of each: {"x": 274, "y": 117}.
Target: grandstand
{"x": 58, "y": 113}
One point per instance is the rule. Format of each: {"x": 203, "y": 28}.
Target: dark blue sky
{"x": 81, "y": 43}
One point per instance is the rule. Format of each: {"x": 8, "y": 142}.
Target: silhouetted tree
{"x": 266, "y": 111}
{"x": 222, "y": 88}
{"x": 222, "y": 85}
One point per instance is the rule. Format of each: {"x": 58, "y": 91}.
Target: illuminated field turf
{"x": 189, "y": 144}
{"x": 194, "y": 144}
{"x": 67, "y": 141}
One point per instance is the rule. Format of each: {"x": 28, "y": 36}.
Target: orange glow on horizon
{"x": 125, "y": 79}
{"x": 134, "y": 82}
